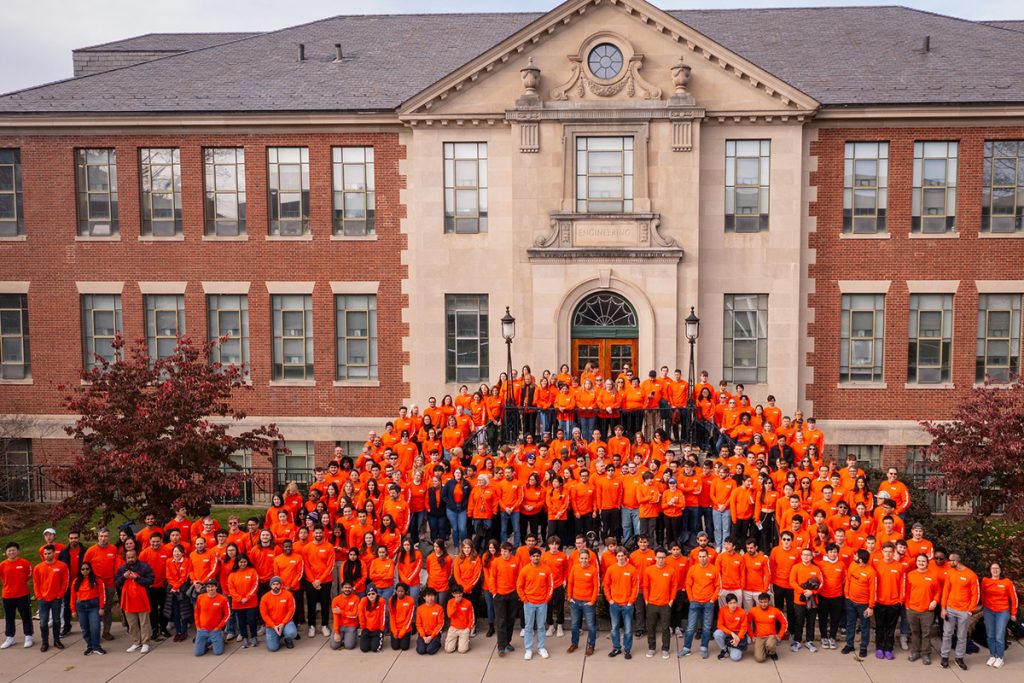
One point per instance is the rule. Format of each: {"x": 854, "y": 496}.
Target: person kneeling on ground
{"x": 731, "y": 634}
{"x": 461, "y": 621}
{"x": 429, "y": 622}
{"x": 277, "y": 609}
{"x": 211, "y": 615}
{"x": 767, "y": 626}
{"x": 345, "y": 608}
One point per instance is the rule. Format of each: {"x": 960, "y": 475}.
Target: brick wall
{"x": 899, "y": 259}
{"x": 52, "y": 260}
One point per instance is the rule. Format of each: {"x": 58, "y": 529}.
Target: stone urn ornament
{"x": 531, "y": 80}
{"x": 680, "y": 79}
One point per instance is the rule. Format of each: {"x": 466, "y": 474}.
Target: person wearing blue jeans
{"x": 630, "y": 523}
{"x": 993, "y": 587}
{"x": 621, "y": 586}
{"x": 214, "y": 639}
{"x": 88, "y": 612}
{"x": 730, "y": 643}
{"x": 277, "y": 608}
{"x": 581, "y": 610}
{"x": 212, "y": 612}
{"x": 702, "y": 613}
{"x": 858, "y": 614}
{"x": 455, "y": 495}
{"x": 534, "y": 586}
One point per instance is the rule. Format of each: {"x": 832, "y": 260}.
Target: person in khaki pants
{"x": 767, "y": 626}
{"x": 461, "y": 621}
{"x": 133, "y": 580}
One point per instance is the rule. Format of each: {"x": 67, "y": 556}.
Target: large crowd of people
{"x": 729, "y": 526}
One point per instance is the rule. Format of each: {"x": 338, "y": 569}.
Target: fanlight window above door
{"x": 604, "y": 310}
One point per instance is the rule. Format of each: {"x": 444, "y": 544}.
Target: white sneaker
{"x": 312, "y": 631}
{"x": 550, "y": 631}
{"x": 904, "y": 643}
{"x": 559, "y": 633}
{"x": 29, "y": 641}
{"x": 325, "y": 632}
{"x": 650, "y": 653}
{"x": 528, "y": 655}
{"x": 999, "y": 663}
{"x": 7, "y": 644}
{"x": 543, "y": 653}
{"x": 145, "y": 649}
{"x": 132, "y": 648}
{"x": 991, "y": 661}
{"x": 522, "y": 633}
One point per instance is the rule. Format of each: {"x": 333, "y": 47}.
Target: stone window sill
{"x": 293, "y": 382}
{"x": 15, "y": 382}
{"x": 97, "y": 238}
{"x": 13, "y": 238}
{"x": 928, "y": 387}
{"x": 225, "y": 238}
{"x": 1001, "y": 235}
{"x": 935, "y": 236}
{"x": 354, "y": 238}
{"x": 865, "y": 236}
{"x": 308, "y": 237}
{"x": 162, "y": 238}
{"x": 862, "y": 385}
{"x": 372, "y": 383}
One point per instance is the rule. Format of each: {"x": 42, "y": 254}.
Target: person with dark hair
{"x": 71, "y": 555}
{"x": 401, "y": 614}
{"x": 429, "y": 623}
{"x": 506, "y": 574}
{"x": 805, "y": 580}
{"x": 373, "y": 616}
{"x": 242, "y": 588}
{"x": 50, "y": 580}
{"x": 731, "y": 629}
{"x": 156, "y": 554}
{"x": 277, "y": 607}
{"x": 345, "y": 608}
{"x": 462, "y": 622}
{"x": 89, "y": 597}
{"x": 767, "y": 625}
{"x": 318, "y": 568}
{"x": 133, "y": 580}
{"x": 211, "y": 613}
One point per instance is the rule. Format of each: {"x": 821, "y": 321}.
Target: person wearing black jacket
{"x": 455, "y": 495}
{"x": 132, "y": 580}
{"x": 71, "y": 555}
{"x": 780, "y": 451}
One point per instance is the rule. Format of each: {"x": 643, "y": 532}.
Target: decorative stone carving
{"x": 680, "y": 77}
{"x": 616, "y": 237}
{"x": 531, "y": 79}
{"x": 529, "y": 136}
{"x": 628, "y": 81}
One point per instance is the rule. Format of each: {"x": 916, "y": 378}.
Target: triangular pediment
{"x": 653, "y": 42}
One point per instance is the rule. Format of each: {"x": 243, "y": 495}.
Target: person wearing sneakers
{"x": 890, "y": 601}
{"x": 960, "y": 596}
{"x": 345, "y": 608}
{"x": 703, "y": 586}
{"x": 277, "y": 607}
{"x": 133, "y": 579}
{"x": 462, "y": 621}
{"x": 583, "y": 586}
{"x": 621, "y": 585}
{"x": 921, "y": 595}
{"x": 767, "y": 625}
{"x": 861, "y": 590}
{"x": 211, "y": 615}
{"x": 999, "y": 600}
{"x": 805, "y": 580}
{"x": 50, "y": 580}
{"x": 429, "y": 623}
{"x": 658, "y": 584}
{"x": 830, "y": 598}
{"x": 731, "y": 631}
{"x": 242, "y": 587}
{"x": 15, "y": 572}
{"x": 535, "y": 584}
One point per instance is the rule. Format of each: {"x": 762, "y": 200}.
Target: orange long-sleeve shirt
{"x": 782, "y": 563}
{"x": 535, "y": 584}
{"x": 757, "y": 575}
{"x": 742, "y": 503}
{"x": 506, "y": 575}
{"x": 242, "y": 587}
{"x": 557, "y": 562}
{"x": 609, "y": 492}
{"x": 461, "y": 614}
{"x": 88, "y": 592}
{"x": 290, "y": 568}
{"x": 439, "y": 571}
{"x": 467, "y": 572}
{"x": 833, "y": 577}
{"x": 733, "y": 622}
{"x": 721, "y": 491}
{"x": 345, "y": 609}
{"x": 621, "y": 584}
{"x": 372, "y": 617}
{"x": 890, "y": 582}
{"x": 50, "y": 580}
{"x": 402, "y": 612}
{"x": 430, "y": 619}
{"x": 999, "y": 595}
{"x": 211, "y": 613}
{"x": 277, "y": 609}
{"x": 798, "y": 576}
{"x": 659, "y": 585}
{"x": 861, "y": 585}
{"x": 961, "y": 591}
{"x": 583, "y": 584}
{"x": 703, "y": 584}
{"x": 15, "y": 575}
{"x": 319, "y": 561}
{"x": 104, "y": 561}
{"x": 732, "y": 567}
{"x": 766, "y": 622}
{"x": 920, "y": 590}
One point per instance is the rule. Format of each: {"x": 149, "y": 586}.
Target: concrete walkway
{"x": 313, "y": 660}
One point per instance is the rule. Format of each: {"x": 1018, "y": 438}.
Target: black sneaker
{"x": 289, "y": 644}
{"x": 509, "y": 648}
{"x": 615, "y": 653}
{"x": 945, "y": 662}
{"x": 490, "y": 631}
{"x": 774, "y": 656}
{"x": 961, "y": 663}
{"x": 100, "y": 650}
{"x": 629, "y": 655}
{"x": 847, "y": 650}
{"x": 88, "y": 651}
{"x": 723, "y": 654}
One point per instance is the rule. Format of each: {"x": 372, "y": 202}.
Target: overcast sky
{"x": 37, "y": 36}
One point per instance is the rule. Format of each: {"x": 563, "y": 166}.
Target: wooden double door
{"x": 608, "y": 356}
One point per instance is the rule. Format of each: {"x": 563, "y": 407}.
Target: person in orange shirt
{"x": 50, "y": 581}
{"x": 830, "y": 597}
{"x": 242, "y": 587}
{"x": 558, "y": 562}
{"x": 860, "y": 588}
{"x": 960, "y": 596}
{"x": 211, "y": 615}
{"x": 921, "y": 596}
{"x": 621, "y": 585}
{"x": 277, "y": 607}
{"x": 133, "y": 578}
{"x": 732, "y": 567}
{"x": 318, "y": 569}
{"x": 673, "y": 504}
{"x": 372, "y": 621}
{"x": 999, "y": 600}
{"x": 721, "y": 494}
{"x": 782, "y": 559}
{"x": 889, "y": 602}
{"x": 401, "y": 610}
{"x": 659, "y": 587}
{"x": 462, "y": 623}
{"x": 805, "y": 580}
{"x": 766, "y": 626}
{"x": 731, "y": 631}
{"x": 703, "y": 586}
{"x": 345, "y": 609}
{"x": 582, "y": 588}
{"x": 505, "y": 569}
{"x": 104, "y": 560}
{"x": 757, "y": 575}
{"x": 534, "y": 585}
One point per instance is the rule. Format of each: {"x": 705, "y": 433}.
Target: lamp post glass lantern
{"x": 508, "y": 331}
{"x": 692, "y": 331}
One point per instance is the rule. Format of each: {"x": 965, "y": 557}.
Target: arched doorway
{"x": 604, "y": 333}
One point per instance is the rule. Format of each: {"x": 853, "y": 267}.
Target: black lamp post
{"x": 692, "y": 332}
{"x": 508, "y": 331}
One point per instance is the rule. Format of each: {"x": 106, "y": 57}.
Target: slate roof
{"x": 166, "y": 42}
{"x": 1012, "y": 25}
{"x": 838, "y": 55}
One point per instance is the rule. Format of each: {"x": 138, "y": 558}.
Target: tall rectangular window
{"x": 465, "y": 187}
{"x": 160, "y": 178}
{"x": 17, "y": 478}
{"x": 930, "y": 338}
{"x": 101, "y": 322}
{"x": 998, "y": 353}
{"x": 467, "y": 349}
{"x": 604, "y": 174}
{"x": 862, "y": 338}
{"x": 288, "y": 183}
{"x": 294, "y": 461}
{"x": 933, "y": 208}
{"x": 292, "y": 335}
{"x": 1002, "y": 198}
{"x": 96, "y": 177}
{"x": 165, "y": 323}
{"x": 356, "y": 320}
{"x": 747, "y": 172}
{"x": 224, "y": 206}
{"x": 865, "y": 187}
{"x": 12, "y": 220}
{"x": 868, "y": 457}
{"x": 746, "y": 338}
{"x": 15, "y": 359}
{"x": 354, "y": 193}
{"x": 229, "y": 319}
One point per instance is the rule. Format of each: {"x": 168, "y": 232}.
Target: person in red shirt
{"x": 731, "y": 630}
{"x": 50, "y": 580}
{"x": 211, "y": 615}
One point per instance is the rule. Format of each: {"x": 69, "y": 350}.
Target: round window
{"x": 605, "y": 61}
